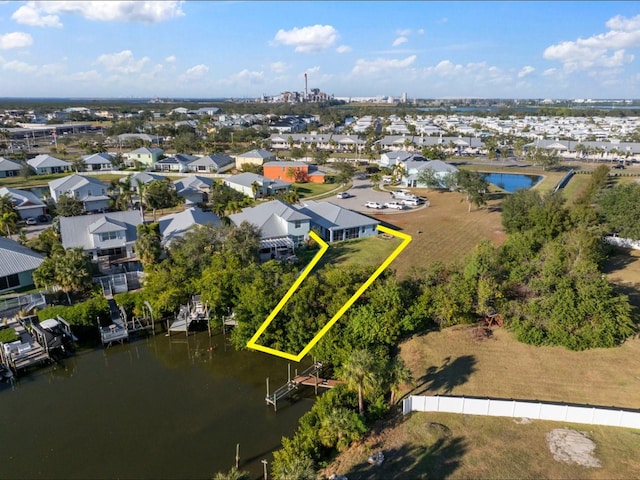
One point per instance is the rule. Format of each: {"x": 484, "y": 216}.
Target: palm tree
{"x": 125, "y": 193}
{"x": 399, "y": 375}
{"x": 8, "y": 223}
{"x": 360, "y": 372}
{"x": 339, "y": 427}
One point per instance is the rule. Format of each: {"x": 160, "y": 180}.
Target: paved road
{"x": 363, "y": 192}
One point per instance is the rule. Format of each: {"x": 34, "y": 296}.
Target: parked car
{"x": 375, "y": 205}
{"x": 31, "y": 221}
{"x": 411, "y": 202}
{"x": 344, "y": 195}
{"x": 43, "y": 218}
{"x": 396, "y": 205}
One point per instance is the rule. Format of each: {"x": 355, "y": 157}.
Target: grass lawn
{"x": 31, "y": 181}
{"x": 306, "y": 190}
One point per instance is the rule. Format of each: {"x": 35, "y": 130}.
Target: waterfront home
{"x": 255, "y": 157}
{"x": 46, "y": 164}
{"x": 90, "y": 191}
{"x": 293, "y": 172}
{"x": 193, "y": 189}
{"x": 175, "y": 225}
{"x": 98, "y": 162}
{"x": 9, "y": 168}
{"x": 26, "y": 203}
{"x": 17, "y": 264}
{"x": 214, "y": 163}
{"x": 335, "y": 223}
{"x": 144, "y": 156}
{"x": 107, "y": 238}
{"x": 253, "y": 185}
{"x": 282, "y": 227}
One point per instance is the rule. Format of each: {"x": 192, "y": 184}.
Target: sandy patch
{"x": 571, "y": 446}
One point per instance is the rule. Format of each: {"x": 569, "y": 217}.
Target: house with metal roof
{"x": 335, "y": 223}
{"x": 90, "y": 191}
{"x": 106, "y": 237}
{"x": 175, "y": 163}
{"x": 17, "y": 263}
{"x": 9, "y": 168}
{"x": 145, "y": 156}
{"x": 282, "y": 228}
{"x": 176, "y": 225}
{"x": 46, "y": 164}
{"x": 98, "y": 162}
{"x": 254, "y": 186}
{"x": 143, "y": 178}
{"x": 193, "y": 188}
{"x": 26, "y": 203}
{"x": 256, "y": 157}
{"x": 213, "y": 163}
{"x": 418, "y": 164}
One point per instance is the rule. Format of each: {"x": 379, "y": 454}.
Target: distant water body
{"x": 512, "y": 181}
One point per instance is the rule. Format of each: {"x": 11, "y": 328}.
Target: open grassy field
{"x": 306, "y": 190}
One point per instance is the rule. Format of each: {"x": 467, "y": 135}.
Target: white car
{"x": 396, "y": 205}
{"x": 344, "y": 195}
{"x": 374, "y": 205}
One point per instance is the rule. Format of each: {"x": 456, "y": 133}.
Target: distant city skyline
{"x": 201, "y": 49}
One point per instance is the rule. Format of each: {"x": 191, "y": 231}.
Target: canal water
{"x": 157, "y": 408}
{"x": 512, "y": 181}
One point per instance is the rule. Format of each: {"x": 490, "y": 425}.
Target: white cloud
{"x": 368, "y": 67}
{"x": 420, "y": 31}
{"x": 248, "y": 76}
{"x": 170, "y": 59}
{"x": 403, "y": 32}
{"x": 15, "y": 40}
{"x": 604, "y": 50}
{"x": 122, "y": 62}
{"x": 90, "y": 76}
{"x": 278, "y": 67}
{"x": 18, "y": 66}
{"x": 195, "y": 73}
{"x": 525, "y": 71}
{"x": 343, "y": 49}
{"x": 399, "y": 41}
{"x": 307, "y": 39}
{"x": 123, "y": 11}
{"x": 312, "y": 70}
{"x": 550, "y": 71}
{"x": 30, "y": 15}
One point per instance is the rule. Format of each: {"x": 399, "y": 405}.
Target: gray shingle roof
{"x": 8, "y": 165}
{"x": 175, "y": 225}
{"x": 270, "y": 217}
{"x": 75, "y": 181}
{"x": 15, "y": 258}
{"x": 46, "y": 161}
{"x": 22, "y": 198}
{"x": 330, "y": 215}
{"x": 258, "y": 153}
{"x": 74, "y": 231}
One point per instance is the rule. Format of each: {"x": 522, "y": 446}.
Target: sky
{"x": 245, "y": 49}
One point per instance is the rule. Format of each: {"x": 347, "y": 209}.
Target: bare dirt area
{"x": 571, "y": 446}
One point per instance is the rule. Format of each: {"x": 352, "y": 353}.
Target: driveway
{"x": 363, "y": 192}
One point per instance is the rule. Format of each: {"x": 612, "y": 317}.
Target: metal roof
{"x": 15, "y": 258}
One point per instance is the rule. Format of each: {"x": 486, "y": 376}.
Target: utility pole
{"x": 264, "y": 463}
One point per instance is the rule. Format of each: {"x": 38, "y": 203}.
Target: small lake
{"x": 161, "y": 407}
{"x": 512, "y": 181}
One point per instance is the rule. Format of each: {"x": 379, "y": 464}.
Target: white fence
{"x": 519, "y": 409}
{"x": 623, "y": 242}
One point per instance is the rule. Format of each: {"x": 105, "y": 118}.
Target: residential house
{"x": 145, "y": 156}
{"x": 282, "y": 228}
{"x": 98, "y": 162}
{"x": 253, "y": 185}
{"x": 415, "y": 166}
{"x": 129, "y": 138}
{"x": 396, "y": 157}
{"x": 335, "y": 223}
{"x": 214, "y": 163}
{"x": 175, "y": 225}
{"x": 256, "y": 157}
{"x": 143, "y": 178}
{"x": 193, "y": 189}
{"x": 175, "y": 163}
{"x": 17, "y": 264}
{"x": 293, "y": 172}
{"x": 108, "y": 238}
{"x": 46, "y": 164}
{"x": 90, "y": 191}
{"x": 9, "y": 168}
{"x": 26, "y": 203}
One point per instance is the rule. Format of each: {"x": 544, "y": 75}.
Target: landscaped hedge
{"x": 83, "y": 317}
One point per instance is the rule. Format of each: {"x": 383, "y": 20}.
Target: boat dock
{"x": 195, "y": 311}
{"x": 24, "y": 352}
{"x": 121, "y": 327}
{"x": 309, "y": 377}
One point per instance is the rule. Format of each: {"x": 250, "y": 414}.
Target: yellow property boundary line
{"x": 406, "y": 239}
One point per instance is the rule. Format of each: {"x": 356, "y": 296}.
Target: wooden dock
{"x": 196, "y": 311}
{"x": 24, "y": 352}
{"x": 309, "y": 377}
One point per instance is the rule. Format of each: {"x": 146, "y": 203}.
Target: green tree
{"x": 233, "y": 474}
{"x": 340, "y": 427}
{"x": 68, "y": 269}
{"x": 619, "y": 207}
{"x": 344, "y": 172}
{"x": 474, "y": 186}
{"x": 68, "y": 206}
{"x": 8, "y": 223}
{"x": 398, "y": 374}
{"x": 148, "y": 244}
{"x": 360, "y": 373}
{"x": 159, "y": 195}
{"x": 429, "y": 178}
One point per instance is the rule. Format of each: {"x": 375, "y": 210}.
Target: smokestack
{"x": 306, "y": 95}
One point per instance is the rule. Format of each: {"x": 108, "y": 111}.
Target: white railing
{"x": 614, "y": 417}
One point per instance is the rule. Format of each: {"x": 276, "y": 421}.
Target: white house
{"x": 46, "y": 164}
{"x": 90, "y": 191}
{"x": 254, "y": 186}
{"x": 26, "y": 203}
{"x": 214, "y": 163}
{"x": 9, "y": 168}
{"x": 98, "y": 162}
{"x": 335, "y": 223}
{"x": 175, "y": 225}
{"x": 106, "y": 237}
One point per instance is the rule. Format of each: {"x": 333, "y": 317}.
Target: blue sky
{"x": 246, "y": 49}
